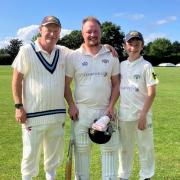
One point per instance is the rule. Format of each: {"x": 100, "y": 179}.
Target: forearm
{"x": 17, "y": 96}
{"x": 67, "y": 92}
{"x": 17, "y": 87}
{"x": 68, "y": 96}
{"x": 148, "y": 103}
{"x": 143, "y": 115}
{"x": 151, "y": 93}
{"x": 114, "y": 96}
{"x": 114, "y": 91}
{"x": 73, "y": 111}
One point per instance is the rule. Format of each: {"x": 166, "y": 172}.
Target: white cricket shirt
{"x": 136, "y": 76}
{"x": 43, "y": 83}
{"x": 92, "y": 75}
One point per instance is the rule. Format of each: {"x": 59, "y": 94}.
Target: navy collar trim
{"x": 50, "y": 67}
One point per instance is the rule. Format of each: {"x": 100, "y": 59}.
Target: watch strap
{"x": 18, "y": 106}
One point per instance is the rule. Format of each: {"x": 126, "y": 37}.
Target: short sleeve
{"x": 116, "y": 67}
{"x": 151, "y": 77}
{"x": 70, "y": 65}
{"x": 20, "y": 62}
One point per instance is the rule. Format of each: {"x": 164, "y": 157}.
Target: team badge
{"x": 154, "y": 76}
{"x": 105, "y": 61}
{"x": 105, "y": 74}
{"x": 85, "y": 63}
{"x": 149, "y": 126}
{"x": 137, "y": 76}
{"x": 134, "y": 33}
{"x": 29, "y": 129}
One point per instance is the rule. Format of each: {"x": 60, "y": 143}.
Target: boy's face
{"x": 134, "y": 46}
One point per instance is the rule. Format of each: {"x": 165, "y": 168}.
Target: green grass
{"x": 166, "y": 131}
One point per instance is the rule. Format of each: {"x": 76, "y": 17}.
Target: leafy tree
{"x": 72, "y": 40}
{"x": 35, "y": 37}
{"x": 3, "y": 51}
{"x": 112, "y": 35}
{"x": 176, "y": 48}
{"x": 160, "y": 48}
{"x": 13, "y": 48}
{"x": 146, "y": 50}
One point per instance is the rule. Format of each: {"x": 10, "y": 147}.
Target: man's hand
{"x": 142, "y": 121}
{"x": 110, "y": 112}
{"x": 21, "y": 115}
{"x": 73, "y": 112}
{"x": 112, "y": 49}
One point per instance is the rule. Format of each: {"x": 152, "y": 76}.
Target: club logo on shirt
{"x": 129, "y": 88}
{"x": 105, "y": 74}
{"x": 105, "y": 61}
{"x": 29, "y": 128}
{"x": 149, "y": 125}
{"x": 102, "y": 74}
{"x": 136, "y": 76}
{"x": 154, "y": 76}
{"x": 85, "y": 63}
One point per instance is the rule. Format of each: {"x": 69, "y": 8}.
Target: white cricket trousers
{"x": 129, "y": 132}
{"x": 50, "y": 139}
{"x": 109, "y": 151}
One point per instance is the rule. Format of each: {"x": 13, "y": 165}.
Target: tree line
{"x": 159, "y": 51}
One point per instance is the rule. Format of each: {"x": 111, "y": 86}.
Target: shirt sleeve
{"x": 116, "y": 67}
{"x": 150, "y": 76}
{"x": 70, "y": 71}
{"x": 66, "y": 52}
{"x": 20, "y": 62}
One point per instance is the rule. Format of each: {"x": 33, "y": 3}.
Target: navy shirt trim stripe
{"x": 45, "y": 113}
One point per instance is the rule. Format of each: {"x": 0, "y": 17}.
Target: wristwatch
{"x": 18, "y": 106}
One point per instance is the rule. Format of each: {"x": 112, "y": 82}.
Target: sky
{"x": 153, "y": 18}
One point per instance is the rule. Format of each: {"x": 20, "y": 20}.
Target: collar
{"x": 39, "y": 48}
{"x": 102, "y": 50}
{"x": 132, "y": 63}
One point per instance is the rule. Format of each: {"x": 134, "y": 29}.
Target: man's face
{"x": 91, "y": 33}
{"x": 50, "y": 33}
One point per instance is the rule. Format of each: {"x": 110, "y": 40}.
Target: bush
{"x": 156, "y": 61}
{"x": 5, "y": 59}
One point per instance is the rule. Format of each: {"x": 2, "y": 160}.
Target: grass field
{"x": 166, "y": 109}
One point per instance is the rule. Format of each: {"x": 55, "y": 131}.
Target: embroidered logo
{"x": 85, "y": 63}
{"x": 105, "y": 61}
{"x": 104, "y": 74}
{"x": 154, "y": 76}
{"x": 136, "y": 76}
{"x": 29, "y": 129}
{"x": 149, "y": 126}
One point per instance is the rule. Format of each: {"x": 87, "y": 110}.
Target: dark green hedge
{"x": 156, "y": 61}
{"x": 5, "y": 59}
